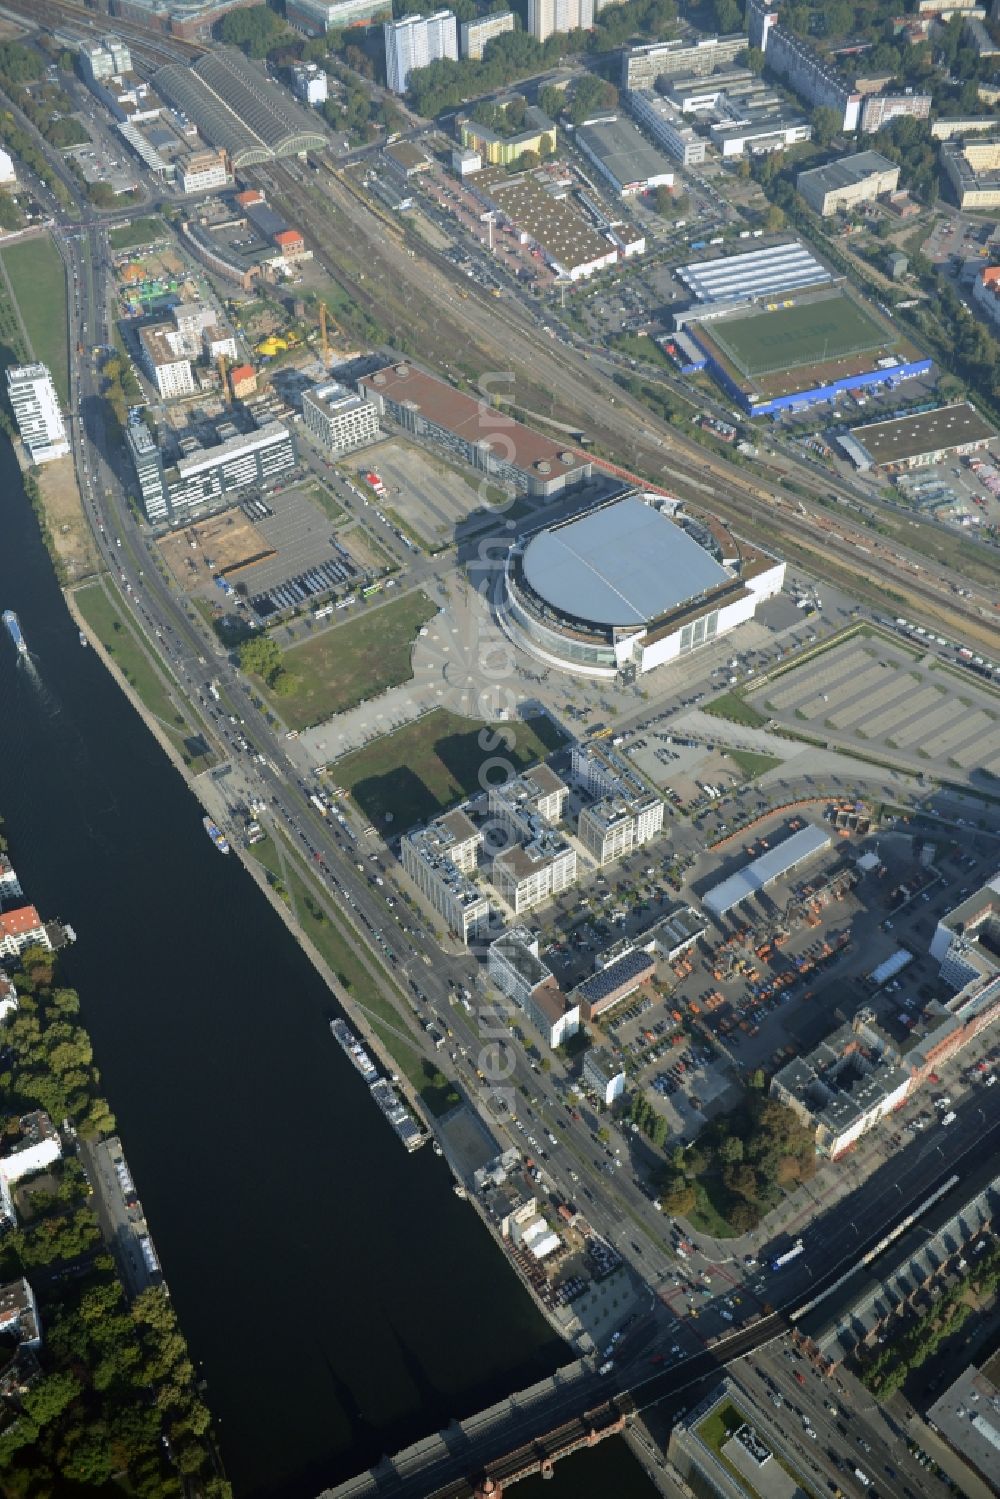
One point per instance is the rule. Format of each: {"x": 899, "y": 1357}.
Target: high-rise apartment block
{"x": 475, "y": 34}
{"x": 415, "y": 41}
{"x": 548, "y": 16}
{"x": 36, "y": 411}
{"x": 108, "y": 58}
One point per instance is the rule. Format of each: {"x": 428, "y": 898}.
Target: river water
{"x": 341, "y": 1299}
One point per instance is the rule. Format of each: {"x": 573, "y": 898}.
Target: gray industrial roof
{"x": 765, "y": 870}
{"x": 623, "y": 564}
{"x": 625, "y": 153}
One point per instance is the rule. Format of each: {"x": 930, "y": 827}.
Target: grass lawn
{"x": 412, "y": 775}
{"x": 110, "y": 625}
{"x": 39, "y": 281}
{"x": 705, "y": 1216}
{"x": 355, "y": 661}
{"x": 730, "y": 705}
{"x": 140, "y": 232}
{"x": 751, "y": 764}
{"x": 717, "y": 1428}
{"x": 330, "y": 507}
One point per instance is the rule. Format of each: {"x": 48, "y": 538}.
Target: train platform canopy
{"x": 765, "y": 870}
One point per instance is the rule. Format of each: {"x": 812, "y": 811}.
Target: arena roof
{"x": 236, "y": 107}
{"x": 622, "y": 564}
{"x": 765, "y": 870}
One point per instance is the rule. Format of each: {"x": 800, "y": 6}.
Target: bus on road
{"x": 790, "y": 1254}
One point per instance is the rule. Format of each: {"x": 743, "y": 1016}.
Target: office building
{"x": 498, "y": 149}
{"x": 440, "y": 859}
{"x": 845, "y": 1086}
{"x": 107, "y": 58}
{"x": 32, "y": 396}
{"x": 515, "y": 967}
{"x": 642, "y": 66}
{"x": 309, "y": 83}
{"x": 465, "y": 427}
{"x": 618, "y": 976}
{"x": 842, "y": 184}
{"x": 8, "y": 176}
{"x": 528, "y": 874}
{"x": 339, "y": 419}
{"x": 881, "y": 109}
{"x": 19, "y": 1316}
{"x": 548, "y": 16}
{"x": 202, "y": 171}
{"x": 617, "y": 825}
{"x": 35, "y": 1146}
{"x": 249, "y": 460}
{"x": 972, "y": 171}
{"x": 148, "y": 465}
{"x": 317, "y": 17}
{"x": 720, "y": 1453}
{"x": 169, "y": 370}
{"x": 475, "y": 34}
{"x": 602, "y": 770}
{"x": 603, "y": 1075}
{"x": 667, "y": 125}
{"x": 518, "y": 802}
{"x": 416, "y": 41}
{"x": 967, "y": 1417}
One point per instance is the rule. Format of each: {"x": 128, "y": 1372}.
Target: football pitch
{"x": 808, "y": 333}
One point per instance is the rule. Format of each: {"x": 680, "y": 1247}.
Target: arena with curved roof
{"x": 237, "y": 109}
{"x": 629, "y": 585}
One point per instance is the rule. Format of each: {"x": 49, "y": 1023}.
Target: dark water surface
{"x": 342, "y": 1300}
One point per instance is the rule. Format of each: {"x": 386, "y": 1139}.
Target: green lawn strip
{"x": 139, "y": 232}
{"x": 39, "y": 282}
{"x": 110, "y": 625}
{"x": 752, "y": 764}
{"x": 330, "y": 507}
{"x": 411, "y": 775}
{"x": 354, "y": 661}
{"x": 730, "y": 705}
{"x": 266, "y": 853}
{"x": 384, "y": 1017}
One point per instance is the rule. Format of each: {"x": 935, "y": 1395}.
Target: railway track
{"x": 50, "y": 15}
{"x": 772, "y": 516}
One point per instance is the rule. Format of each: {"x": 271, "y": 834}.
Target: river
{"x": 341, "y": 1300}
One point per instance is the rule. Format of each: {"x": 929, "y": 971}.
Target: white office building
{"x": 416, "y": 41}
{"x": 515, "y": 967}
{"x": 36, "y": 411}
{"x": 202, "y": 171}
{"x": 309, "y": 83}
{"x": 338, "y": 419}
{"x": 108, "y": 58}
{"x": 440, "y": 859}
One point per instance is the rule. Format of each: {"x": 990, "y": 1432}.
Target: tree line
{"x": 117, "y": 1397}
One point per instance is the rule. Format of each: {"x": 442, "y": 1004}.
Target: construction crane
{"x": 222, "y": 379}
{"x": 324, "y": 342}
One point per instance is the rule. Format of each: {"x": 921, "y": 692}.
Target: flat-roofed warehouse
{"x": 473, "y": 431}
{"x": 552, "y": 221}
{"x": 775, "y": 270}
{"x": 237, "y": 109}
{"x": 624, "y": 157}
{"x": 909, "y": 441}
{"x": 764, "y": 871}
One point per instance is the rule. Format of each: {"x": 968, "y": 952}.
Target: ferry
{"x": 216, "y": 834}
{"x": 346, "y": 1038}
{"x": 13, "y": 624}
{"x": 398, "y": 1114}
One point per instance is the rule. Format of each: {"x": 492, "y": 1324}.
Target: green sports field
{"x": 807, "y": 333}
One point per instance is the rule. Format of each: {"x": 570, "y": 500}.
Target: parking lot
{"x": 428, "y": 496}
{"x": 872, "y": 693}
